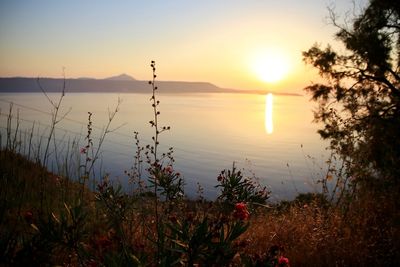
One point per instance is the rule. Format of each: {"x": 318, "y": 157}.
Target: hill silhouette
{"x": 122, "y": 83}
{"x": 121, "y": 77}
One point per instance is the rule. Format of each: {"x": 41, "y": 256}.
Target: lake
{"x": 271, "y": 136}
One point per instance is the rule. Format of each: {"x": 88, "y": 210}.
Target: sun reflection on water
{"x": 269, "y": 126}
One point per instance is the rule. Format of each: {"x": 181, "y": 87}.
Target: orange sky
{"x": 211, "y": 41}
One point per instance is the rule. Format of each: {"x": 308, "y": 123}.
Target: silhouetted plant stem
{"x": 154, "y": 124}
{"x": 85, "y": 151}
{"x": 54, "y": 121}
{"x": 107, "y": 130}
{"x": 9, "y": 120}
{"x": 30, "y": 140}
{"x": 137, "y": 176}
{"x": 14, "y": 141}
{"x": 54, "y": 117}
{"x": 88, "y": 166}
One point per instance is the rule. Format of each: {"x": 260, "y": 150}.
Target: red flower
{"x": 83, "y": 150}
{"x": 240, "y": 206}
{"x": 284, "y": 262}
{"x": 241, "y": 211}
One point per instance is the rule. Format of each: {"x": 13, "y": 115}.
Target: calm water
{"x": 271, "y": 136}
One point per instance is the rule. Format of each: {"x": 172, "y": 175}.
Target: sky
{"x": 217, "y": 41}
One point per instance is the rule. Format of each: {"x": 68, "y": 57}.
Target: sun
{"x": 271, "y": 66}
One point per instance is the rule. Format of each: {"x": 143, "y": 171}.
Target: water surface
{"x": 271, "y": 136}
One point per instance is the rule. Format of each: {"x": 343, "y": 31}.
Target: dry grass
{"x": 367, "y": 234}
{"x": 364, "y": 233}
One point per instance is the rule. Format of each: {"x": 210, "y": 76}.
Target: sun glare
{"x": 271, "y": 66}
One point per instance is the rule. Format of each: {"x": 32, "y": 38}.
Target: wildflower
{"x": 240, "y": 206}
{"x": 169, "y": 169}
{"x": 283, "y": 262}
{"x": 83, "y": 150}
{"x": 241, "y": 211}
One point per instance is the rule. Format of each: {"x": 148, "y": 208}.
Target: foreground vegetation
{"x": 73, "y": 218}
{"x": 110, "y": 228}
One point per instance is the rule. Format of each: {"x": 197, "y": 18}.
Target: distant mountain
{"x": 102, "y": 85}
{"x": 121, "y": 77}
{"x": 117, "y": 84}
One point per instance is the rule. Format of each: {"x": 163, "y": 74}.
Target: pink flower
{"x": 240, "y": 206}
{"x": 241, "y": 211}
{"x": 83, "y": 150}
{"x": 284, "y": 262}
{"x": 169, "y": 169}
